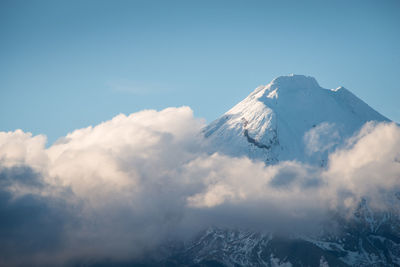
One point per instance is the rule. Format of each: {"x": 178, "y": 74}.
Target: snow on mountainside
{"x": 291, "y": 118}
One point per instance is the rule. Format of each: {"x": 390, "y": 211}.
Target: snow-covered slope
{"x": 291, "y": 118}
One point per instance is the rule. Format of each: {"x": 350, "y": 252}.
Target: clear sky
{"x": 70, "y": 64}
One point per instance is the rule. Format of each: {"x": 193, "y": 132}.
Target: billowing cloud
{"x": 321, "y": 138}
{"x": 122, "y": 188}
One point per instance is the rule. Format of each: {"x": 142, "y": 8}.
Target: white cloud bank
{"x": 121, "y": 188}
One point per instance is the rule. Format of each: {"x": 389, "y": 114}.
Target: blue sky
{"x": 70, "y": 64}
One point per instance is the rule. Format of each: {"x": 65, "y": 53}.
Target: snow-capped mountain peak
{"x": 294, "y": 82}
{"x": 286, "y": 84}
{"x": 290, "y": 118}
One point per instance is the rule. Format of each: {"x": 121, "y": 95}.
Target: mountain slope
{"x": 292, "y": 118}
